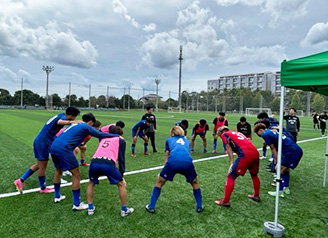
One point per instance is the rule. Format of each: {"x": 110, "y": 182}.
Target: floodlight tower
{"x": 180, "y": 59}
{"x": 48, "y": 70}
{"x": 157, "y": 81}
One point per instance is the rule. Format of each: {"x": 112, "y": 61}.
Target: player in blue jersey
{"x": 291, "y": 154}
{"x": 139, "y": 130}
{"x": 42, "y": 144}
{"x": 177, "y": 160}
{"x": 62, "y": 153}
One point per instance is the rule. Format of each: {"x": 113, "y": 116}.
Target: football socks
{"x": 42, "y": 182}
{"x": 27, "y": 174}
{"x": 154, "y": 196}
{"x": 133, "y": 147}
{"x": 145, "y": 147}
{"x": 198, "y": 197}
{"x": 57, "y": 190}
{"x": 76, "y": 197}
{"x": 256, "y": 185}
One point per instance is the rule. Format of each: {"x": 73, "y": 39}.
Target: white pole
{"x": 325, "y": 172}
{"x": 22, "y": 93}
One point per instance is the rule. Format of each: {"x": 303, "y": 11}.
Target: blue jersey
{"x": 74, "y": 135}
{"x": 273, "y": 122}
{"x": 50, "y": 129}
{"x": 178, "y": 146}
{"x": 141, "y": 124}
{"x": 288, "y": 144}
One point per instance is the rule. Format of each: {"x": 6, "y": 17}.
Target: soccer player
{"x": 218, "y": 122}
{"x": 138, "y": 130}
{"x": 291, "y": 155}
{"x": 105, "y": 129}
{"x": 323, "y": 119}
{"x": 62, "y": 153}
{"x": 199, "y": 129}
{"x": 110, "y": 151}
{"x": 183, "y": 124}
{"x": 177, "y": 160}
{"x": 248, "y": 159}
{"x": 293, "y": 123}
{"x": 315, "y": 120}
{"x": 42, "y": 144}
{"x": 151, "y": 130}
{"x": 245, "y": 128}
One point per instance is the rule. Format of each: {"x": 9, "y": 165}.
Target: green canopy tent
{"x": 309, "y": 74}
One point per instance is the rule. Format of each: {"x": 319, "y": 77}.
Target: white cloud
{"x": 7, "y": 75}
{"x": 317, "y": 36}
{"x": 244, "y": 2}
{"x": 45, "y": 43}
{"x": 119, "y": 8}
{"x": 149, "y": 27}
{"x": 25, "y": 75}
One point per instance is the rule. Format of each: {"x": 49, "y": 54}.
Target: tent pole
{"x": 325, "y": 171}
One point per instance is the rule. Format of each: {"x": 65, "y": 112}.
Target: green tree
{"x": 318, "y": 103}
{"x": 29, "y": 98}
{"x": 296, "y": 102}
{"x": 275, "y": 104}
{"x": 101, "y": 101}
{"x": 56, "y": 100}
{"x": 5, "y": 97}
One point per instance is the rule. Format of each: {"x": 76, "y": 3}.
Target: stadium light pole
{"x": 69, "y": 94}
{"x": 157, "y": 81}
{"x": 48, "y": 70}
{"x": 22, "y": 93}
{"x": 180, "y": 59}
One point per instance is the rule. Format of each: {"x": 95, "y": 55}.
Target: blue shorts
{"x": 291, "y": 159}
{"x": 172, "y": 168}
{"x": 41, "y": 150}
{"x": 100, "y": 167}
{"x": 201, "y": 134}
{"x": 141, "y": 133}
{"x": 65, "y": 160}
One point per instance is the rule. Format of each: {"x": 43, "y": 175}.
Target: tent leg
{"x": 325, "y": 171}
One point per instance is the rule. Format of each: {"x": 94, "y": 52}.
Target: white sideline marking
{"x": 135, "y": 171}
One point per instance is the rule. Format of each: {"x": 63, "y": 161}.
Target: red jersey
{"x": 219, "y": 123}
{"x": 200, "y": 129}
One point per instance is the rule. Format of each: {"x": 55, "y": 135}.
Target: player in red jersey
{"x": 248, "y": 159}
{"x": 199, "y": 129}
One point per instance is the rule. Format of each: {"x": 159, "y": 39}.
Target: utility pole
{"x": 143, "y": 96}
{"x": 180, "y": 59}
{"x": 22, "y": 93}
{"x": 107, "y": 98}
{"x": 89, "y": 95}
{"x": 69, "y": 94}
{"x": 129, "y": 100}
{"x": 157, "y": 81}
{"x": 169, "y": 100}
{"x": 48, "y": 70}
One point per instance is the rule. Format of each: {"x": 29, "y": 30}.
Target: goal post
{"x": 251, "y": 111}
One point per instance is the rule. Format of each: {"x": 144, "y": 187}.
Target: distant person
{"x": 247, "y": 159}
{"x": 42, "y": 144}
{"x": 291, "y": 155}
{"x": 151, "y": 130}
{"x": 110, "y": 151}
{"x": 105, "y": 129}
{"x": 315, "y": 120}
{"x": 273, "y": 121}
{"x": 245, "y": 128}
{"x": 62, "y": 153}
{"x": 293, "y": 123}
{"x": 139, "y": 130}
{"x": 199, "y": 129}
{"x": 177, "y": 160}
{"x": 323, "y": 119}
{"x": 219, "y": 121}
{"x": 183, "y": 124}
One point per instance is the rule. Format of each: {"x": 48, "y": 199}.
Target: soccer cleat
{"x": 67, "y": 173}
{"x": 19, "y": 185}
{"x": 256, "y": 199}
{"x": 286, "y": 191}
{"x": 61, "y": 198}
{"x": 128, "y": 212}
{"x": 214, "y": 152}
{"x": 146, "y": 153}
{"x": 84, "y": 164}
{"x": 274, "y": 184}
{"x": 222, "y": 203}
{"x": 155, "y": 151}
{"x": 262, "y": 157}
{"x": 281, "y": 194}
{"x": 270, "y": 160}
{"x": 133, "y": 155}
{"x": 91, "y": 211}
{"x": 63, "y": 181}
{"x": 205, "y": 150}
{"x": 47, "y": 190}
{"x": 199, "y": 209}
{"x": 80, "y": 207}
{"x": 150, "y": 210}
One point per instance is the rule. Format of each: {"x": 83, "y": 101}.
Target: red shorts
{"x": 249, "y": 162}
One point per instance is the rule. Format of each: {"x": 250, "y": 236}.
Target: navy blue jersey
{"x": 74, "y": 135}
{"x": 50, "y": 129}
{"x": 178, "y": 146}
{"x": 141, "y": 124}
{"x": 272, "y": 137}
{"x": 273, "y": 122}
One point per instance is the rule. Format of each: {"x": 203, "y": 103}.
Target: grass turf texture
{"x": 35, "y": 215}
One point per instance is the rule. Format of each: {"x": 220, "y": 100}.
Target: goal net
{"x": 174, "y": 109}
{"x": 250, "y": 111}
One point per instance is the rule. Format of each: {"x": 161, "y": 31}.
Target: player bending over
{"x": 139, "y": 130}
{"x": 199, "y": 129}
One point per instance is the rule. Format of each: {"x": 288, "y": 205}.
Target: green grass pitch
{"x": 35, "y": 215}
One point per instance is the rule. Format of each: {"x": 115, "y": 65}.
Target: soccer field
{"x": 35, "y": 215}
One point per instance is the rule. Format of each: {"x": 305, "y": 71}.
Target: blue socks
{"x": 42, "y": 182}
{"x": 124, "y": 208}
{"x": 264, "y": 151}
{"x": 57, "y": 190}
{"x": 154, "y": 196}
{"x": 285, "y": 181}
{"x": 27, "y": 174}
{"x": 133, "y": 147}
{"x": 82, "y": 161}
{"x": 214, "y": 144}
{"x": 76, "y": 197}
{"x": 198, "y": 197}
{"x": 145, "y": 147}
{"x": 91, "y": 206}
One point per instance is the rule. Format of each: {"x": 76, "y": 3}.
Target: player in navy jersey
{"x": 199, "y": 129}
{"x": 244, "y": 127}
{"x": 139, "y": 130}
{"x": 62, "y": 153}
{"x": 291, "y": 154}
{"x": 183, "y": 124}
{"x": 248, "y": 159}
{"x": 42, "y": 144}
{"x": 177, "y": 160}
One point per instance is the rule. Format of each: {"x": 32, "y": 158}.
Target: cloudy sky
{"x": 120, "y": 43}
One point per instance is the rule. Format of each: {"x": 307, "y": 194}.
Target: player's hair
{"x": 266, "y": 122}
{"x": 177, "y": 131}
{"x": 222, "y": 129}
{"x": 185, "y": 123}
{"x": 262, "y": 115}
{"x": 120, "y": 124}
{"x": 97, "y": 124}
{"x": 259, "y": 126}
{"x": 88, "y": 117}
{"x": 115, "y": 130}
{"x": 222, "y": 114}
{"x": 202, "y": 122}
{"x": 149, "y": 120}
{"x": 72, "y": 111}
{"x": 148, "y": 108}
{"x": 293, "y": 109}
{"x": 242, "y": 119}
